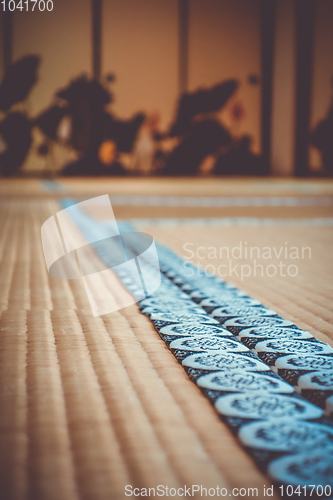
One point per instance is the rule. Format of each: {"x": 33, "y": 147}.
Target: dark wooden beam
{"x": 96, "y": 37}
{"x": 268, "y": 15}
{"x": 305, "y": 13}
{"x": 183, "y": 22}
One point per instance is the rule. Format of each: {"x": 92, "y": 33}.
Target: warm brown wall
{"x": 63, "y": 40}
{"x": 284, "y": 82}
{"x": 140, "y": 45}
{"x": 224, "y": 42}
{"x": 284, "y": 87}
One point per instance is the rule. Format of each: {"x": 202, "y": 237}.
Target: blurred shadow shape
{"x": 94, "y": 128}
{"x": 48, "y": 121}
{"x": 90, "y": 165}
{"x": 239, "y": 160}
{"x": 199, "y": 102}
{"x": 15, "y": 130}
{"x": 203, "y": 139}
{"x": 85, "y": 101}
{"x": 83, "y": 89}
{"x": 18, "y": 81}
{"x": 253, "y": 79}
{"x": 124, "y": 132}
{"x": 322, "y": 139}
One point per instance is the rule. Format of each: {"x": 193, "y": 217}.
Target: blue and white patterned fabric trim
{"x": 222, "y": 201}
{"x": 232, "y": 221}
{"x": 252, "y": 365}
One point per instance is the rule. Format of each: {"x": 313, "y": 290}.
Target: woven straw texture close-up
{"x": 89, "y": 404}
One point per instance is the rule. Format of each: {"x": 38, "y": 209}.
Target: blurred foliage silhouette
{"x": 15, "y": 128}
{"x": 203, "y": 139}
{"x": 18, "y": 81}
{"x": 201, "y": 134}
{"x": 48, "y": 121}
{"x": 101, "y": 140}
{"x": 92, "y": 126}
{"x": 201, "y": 102}
{"x": 322, "y": 139}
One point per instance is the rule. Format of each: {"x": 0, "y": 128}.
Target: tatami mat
{"x": 305, "y": 298}
{"x": 166, "y": 186}
{"x": 88, "y": 404}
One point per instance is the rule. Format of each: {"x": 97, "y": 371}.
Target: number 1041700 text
{"x": 27, "y": 5}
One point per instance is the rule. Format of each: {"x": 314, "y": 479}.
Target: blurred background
{"x": 167, "y": 87}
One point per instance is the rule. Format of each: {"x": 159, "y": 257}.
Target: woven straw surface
{"x": 88, "y": 405}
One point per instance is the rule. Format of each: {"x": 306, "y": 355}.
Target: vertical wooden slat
{"x": 96, "y": 37}
{"x": 305, "y": 11}
{"x": 183, "y": 27}
{"x": 267, "y": 11}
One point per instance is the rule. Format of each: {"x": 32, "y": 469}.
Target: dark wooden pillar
{"x": 305, "y": 12}
{"x": 96, "y": 37}
{"x": 268, "y": 14}
{"x": 183, "y": 22}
